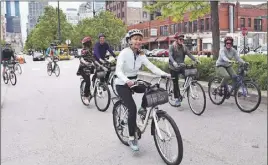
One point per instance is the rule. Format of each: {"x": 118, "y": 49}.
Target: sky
{"x": 65, "y": 5}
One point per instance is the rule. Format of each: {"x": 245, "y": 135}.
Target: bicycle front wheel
{"x": 120, "y": 118}
{"x": 216, "y": 94}
{"x": 245, "y": 99}
{"x": 102, "y": 91}
{"x": 49, "y": 69}
{"x": 198, "y": 97}
{"x": 57, "y": 70}
{"x": 173, "y": 157}
{"x": 5, "y": 77}
{"x": 13, "y": 78}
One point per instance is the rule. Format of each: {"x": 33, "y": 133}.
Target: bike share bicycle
{"x": 155, "y": 96}
{"x": 55, "y": 69}
{"x": 98, "y": 87}
{"x": 190, "y": 86}
{"x": 240, "y": 89}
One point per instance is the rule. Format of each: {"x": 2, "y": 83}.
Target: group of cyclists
{"x": 129, "y": 62}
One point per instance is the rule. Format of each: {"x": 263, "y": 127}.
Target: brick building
{"x": 160, "y": 33}
{"x": 129, "y": 15}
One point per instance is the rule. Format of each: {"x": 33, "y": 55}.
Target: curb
{"x": 3, "y": 93}
{"x": 203, "y": 83}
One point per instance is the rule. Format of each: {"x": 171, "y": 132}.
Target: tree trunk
{"x": 215, "y": 29}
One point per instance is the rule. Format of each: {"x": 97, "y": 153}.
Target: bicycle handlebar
{"x": 147, "y": 84}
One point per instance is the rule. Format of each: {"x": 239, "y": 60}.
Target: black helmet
{"x": 101, "y": 35}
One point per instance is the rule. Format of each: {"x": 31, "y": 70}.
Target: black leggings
{"x": 175, "y": 75}
{"x": 86, "y": 77}
{"x": 126, "y": 95}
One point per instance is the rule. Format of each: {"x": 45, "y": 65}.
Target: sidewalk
{"x": 204, "y": 84}
{"x": 3, "y": 92}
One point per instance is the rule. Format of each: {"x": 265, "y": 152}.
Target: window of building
{"x": 185, "y": 27}
{"x": 179, "y": 28}
{"x": 242, "y": 22}
{"x": 202, "y": 25}
{"x": 144, "y": 14}
{"x": 249, "y": 22}
{"x": 163, "y": 30}
{"x": 119, "y": 15}
{"x": 190, "y": 25}
{"x": 207, "y": 24}
{"x": 195, "y": 26}
{"x": 172, "y": 29}
{"x": 122, "y": 4}
{"x": 176, "y": 28}
{"x": 258, "y": 24}
{"x": 123, "y": 14}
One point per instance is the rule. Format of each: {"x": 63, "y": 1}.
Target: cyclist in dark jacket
{"x": 7, "y": 54}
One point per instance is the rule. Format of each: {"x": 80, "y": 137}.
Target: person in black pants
{"x": 87, "y": 62}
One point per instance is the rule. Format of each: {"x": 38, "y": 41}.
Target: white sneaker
{"x": 85, "y": 100}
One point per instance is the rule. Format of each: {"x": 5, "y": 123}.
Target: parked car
{"x": 163, "y": 53}
{"x": 38, "y": 56}
{"x": 157, "y": 51}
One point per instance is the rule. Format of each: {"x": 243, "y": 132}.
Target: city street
{"x": 44, "y": 122}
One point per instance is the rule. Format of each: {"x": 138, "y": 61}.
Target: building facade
{"x": 160, "y": 33}
{"x": 85, "y": 11}
{"x": 3, "y": 21}
{"x": 72, "y": 16}
{"x": 35, "y": 10}
{"x": 13, "y": 24}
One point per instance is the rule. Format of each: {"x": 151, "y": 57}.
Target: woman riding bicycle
{"x": 87, "y": 61}
{"x": 223, "y": 64}
{"x": 129, "y": 62}
{"x": 177, "y": 52}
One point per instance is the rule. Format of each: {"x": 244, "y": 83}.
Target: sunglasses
{"x": 229, "y": 43}
{"x": 181, "y": 39}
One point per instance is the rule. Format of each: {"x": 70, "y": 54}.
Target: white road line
{"x": 35, "y": 68}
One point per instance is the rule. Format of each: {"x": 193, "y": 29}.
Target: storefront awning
{"x": 152, "y": 39}
{"x": 160, "y": 39}
{"x": 171, "y": 38}
{"x": 144, "y": 41}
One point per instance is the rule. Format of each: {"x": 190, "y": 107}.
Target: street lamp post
{"x": 59, "y": 34}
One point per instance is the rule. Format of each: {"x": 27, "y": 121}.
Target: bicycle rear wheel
{"x": 169, "y": 88}
{"x": 243, "y": 92}
{"x": 82, "y": 91}
{"x": 120, "y": 118}
{"x": 17, "y": 68}
{"x": 193, "y": 93}
{"x": 13, "y": 78}
{"x": 176, "y": 158}
{"x": 113, "y": 86}
{"x": 100, "y": 93}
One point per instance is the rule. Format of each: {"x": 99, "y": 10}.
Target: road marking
{"x": 35, "y": 68}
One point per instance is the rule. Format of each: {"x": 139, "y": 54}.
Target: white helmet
{"x": 133, "y": 32}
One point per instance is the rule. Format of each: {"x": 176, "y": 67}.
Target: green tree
{"x": 3, "y": 42}
{"x": 46, "y": 31}
{"x": 105, "y": 22}
{"x": 197, "y": 9}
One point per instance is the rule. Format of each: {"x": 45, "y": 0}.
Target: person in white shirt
{"x": 128, "y": 64}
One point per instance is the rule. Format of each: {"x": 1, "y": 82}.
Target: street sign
{"x": 68, "y": 42}
{"x": 244, "y": 31}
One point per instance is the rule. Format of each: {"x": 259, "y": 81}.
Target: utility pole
{"x": 94, "y": 12}
{"x": 59, "y": 34}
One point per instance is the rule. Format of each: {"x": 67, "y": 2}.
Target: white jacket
{"x": 127, "y": 66}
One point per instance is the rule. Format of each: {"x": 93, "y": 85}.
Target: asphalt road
{"x": 44, "y": 122}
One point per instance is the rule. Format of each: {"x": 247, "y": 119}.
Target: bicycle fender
{"x": 153, "y": 124}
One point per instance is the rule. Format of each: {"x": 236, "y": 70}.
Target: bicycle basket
{"x": 191, "y": 72}
{"x": 100, "y": 74}
{"x": 156, "y": 97}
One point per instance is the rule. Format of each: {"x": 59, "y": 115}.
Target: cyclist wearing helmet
{"x": 223, "y": 64}
{"x": 87, "y": 60}
{"x": 129, "y": 62}
{"x": 7, "y": 53}
{"x": 177, "y": 52}
{"x": 51, "y": 53}
{"x": 100, "y": 49}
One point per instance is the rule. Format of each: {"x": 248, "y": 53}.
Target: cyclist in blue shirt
{"x": 100, "y": 49}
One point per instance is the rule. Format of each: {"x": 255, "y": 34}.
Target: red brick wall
{"x": 223, "y": 17}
